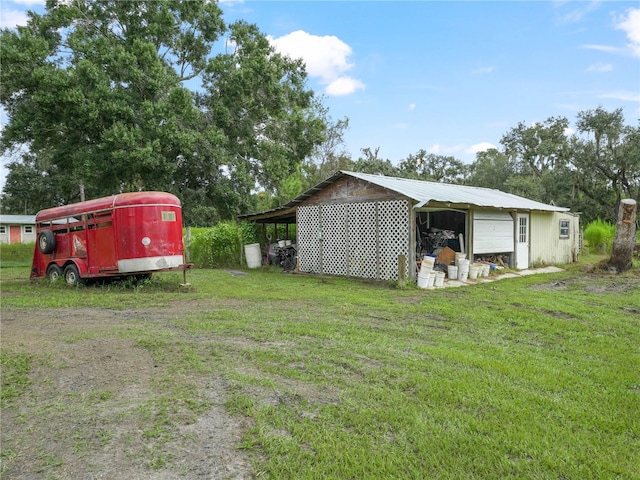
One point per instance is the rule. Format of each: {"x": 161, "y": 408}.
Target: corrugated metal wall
{"x": 546, "y": 246}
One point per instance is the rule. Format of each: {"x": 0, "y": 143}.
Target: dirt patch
{"x": 593, "y": 283}
{"x": 93, "y": 403}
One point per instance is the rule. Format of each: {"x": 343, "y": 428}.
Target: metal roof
{"x": 422, "y": 192}
{"x": 426, "y": 192}
{"x": 18, "y": 219}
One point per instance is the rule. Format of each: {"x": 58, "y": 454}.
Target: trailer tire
{"x": 71, "y": 275}
{"x": 46, "y": 241}
{"x": 54, "y": 272}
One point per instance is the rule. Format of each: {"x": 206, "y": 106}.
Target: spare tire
{"x": 46, "y": 241}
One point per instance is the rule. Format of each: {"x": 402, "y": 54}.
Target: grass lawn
{"x": 532, "y": 377}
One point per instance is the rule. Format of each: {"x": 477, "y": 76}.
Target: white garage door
{"x": 492, "y": 232}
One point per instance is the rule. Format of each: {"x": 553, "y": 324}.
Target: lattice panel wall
{"x": 334, "y": 239}
{"x": 393, "y": 231}
{"x": 308, "y": 233}
{"x": 363, "y": 242}
{"x": 357, "y": 239}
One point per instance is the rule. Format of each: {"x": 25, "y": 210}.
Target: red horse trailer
{"x": 125, "y": 235}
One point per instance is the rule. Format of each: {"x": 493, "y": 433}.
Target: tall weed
{"x": 599, "y": 236}
{"x": 221, "y": 245}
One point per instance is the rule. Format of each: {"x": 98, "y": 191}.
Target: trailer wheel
{"x": 54, "y": 272}
{"x": 71, "y": 275}
{"x": 46, "y": 241}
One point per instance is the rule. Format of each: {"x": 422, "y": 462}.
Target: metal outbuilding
{"x": 357, "y": 224}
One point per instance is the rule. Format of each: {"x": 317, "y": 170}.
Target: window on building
{"x": 3, "y": 230}
{"x": 28, "y": 229}
{"x": 564, "y": 228}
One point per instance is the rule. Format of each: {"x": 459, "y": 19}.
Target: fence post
{"x": 402, "y": 269}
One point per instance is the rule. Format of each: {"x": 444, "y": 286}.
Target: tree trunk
{"x": 625, "y": 239}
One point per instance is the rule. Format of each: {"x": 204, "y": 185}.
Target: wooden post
{"x": 402, "y": 269}
{"x": 625, "y": 239}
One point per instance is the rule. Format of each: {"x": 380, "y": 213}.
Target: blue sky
{"x": 448, "y": 77}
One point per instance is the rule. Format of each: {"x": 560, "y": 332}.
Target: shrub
{"x": 221, "y": 245}
{"x": 599, "y": 236}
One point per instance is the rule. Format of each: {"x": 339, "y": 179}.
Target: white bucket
{"x": 463, "y": 266}
{"x": 463, "y": 270}
{"x": 429, "y": 261}
{"x": 253, "y": 256}
{"x": 426, "y": 266}
{"x": 281, "y": 243}
{"x": 287, "y": 243}
{"x": 459, "y": 256}
{"x": 439, "y": 280}
{"x": 474, "y": 270}
{"x": 485, "y": 269}
{"x": 424, "y": 279}
{"x": 452, "y": 272}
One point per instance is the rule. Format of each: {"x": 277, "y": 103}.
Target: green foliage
{"x": 599, "y": 236}
{"x": 101, "y": 92}
{"x": 432, "y": 168}
{"x": 221, "y": 245}
{"x": 16, "y": 254}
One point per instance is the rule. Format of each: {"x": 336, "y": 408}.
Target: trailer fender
{"x": 81, "y": 265}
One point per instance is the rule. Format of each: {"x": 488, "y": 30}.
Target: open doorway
{"x": 438, "y": 229}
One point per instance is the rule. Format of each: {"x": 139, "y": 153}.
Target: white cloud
{"x": 601, "y": 48}
{"x": 480, "y": 147}
{"x": 326, "y": 58}
{"x": 344, "y": 86}
{"x": 29, "y": 3}
{"x": 600, "y": 67}
{"x": 445, "y": 149}
{"x": 576, "y": 14}
{"x": 631, "y": 25}
{"x": 412, "y": 107}
{"x": 623, "y": 95}
{"x": 13, "y": 18}
{"x": 483, "y": 70}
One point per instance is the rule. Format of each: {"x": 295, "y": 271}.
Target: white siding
{"x": 492, "y": 232}
{"x": 546, "y": 245}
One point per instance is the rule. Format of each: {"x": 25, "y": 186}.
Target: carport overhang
{"x": 284, "y": 215}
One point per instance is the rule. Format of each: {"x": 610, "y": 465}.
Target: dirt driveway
{"x": 93, "y": 403}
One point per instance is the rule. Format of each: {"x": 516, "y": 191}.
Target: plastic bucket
{"x": 428, "y": 262}
{"x": 473, "y": 271}
{"x": 452, "y": 272}
{"x": 439, "y": 280}
{"x": 427, "y": 265}
{"x": 253, "y": 256}
{"x": 463, "y": 270}
{"x": 459, "y": 256}
{"x": 424, "y": 279}
{"x": 485, "y": 269}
